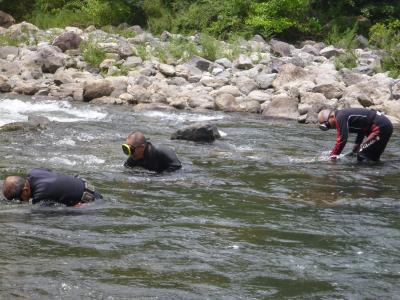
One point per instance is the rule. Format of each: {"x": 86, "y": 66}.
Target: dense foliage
{"x": 286, "y": 19}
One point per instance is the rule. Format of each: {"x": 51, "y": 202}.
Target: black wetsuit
{"x": 157, "y": 159}
{"x": 366, "y": 123}
{"x": 47, "y": 185}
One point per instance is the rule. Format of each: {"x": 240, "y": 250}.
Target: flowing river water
{"x": 258, "y": 214}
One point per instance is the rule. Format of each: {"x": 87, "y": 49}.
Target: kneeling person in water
{"x": 46, "y": 185}
{"x": 146, "y": 155}
{"x": 366, "y": 123}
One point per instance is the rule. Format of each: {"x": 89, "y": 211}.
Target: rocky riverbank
{"x": 271, "y": 78}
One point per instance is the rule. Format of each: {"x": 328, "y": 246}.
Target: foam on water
{"x": 60, "y": 111}
{"x": 182, "y": 117}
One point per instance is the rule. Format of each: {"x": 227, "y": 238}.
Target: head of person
{"x": 16, "y": 187}
{"x": 326, "y": 119}
{"x": 135, "y": 145}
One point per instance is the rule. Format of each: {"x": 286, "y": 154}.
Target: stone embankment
{"x": 271, "y": 78}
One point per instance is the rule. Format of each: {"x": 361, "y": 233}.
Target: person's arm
{"x": 342, "y": 135}
{"x": 130, "y": 163}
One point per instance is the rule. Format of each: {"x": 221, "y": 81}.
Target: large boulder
{"x": 373, "y": 92}
{"x": 198, "y": 133}
{"x": 282, "y": 106}
{"x": 199, "y": 63}
{"x": 281, "y": 48}
{"x": 97, "y": 89}
{"x": 52, "y": 59}
{"x": 23, "y": 31}
{"x": 226, "y": 102}
{"x": 6, "y": 20}
{"x": 290, "y": 75}
{"x": 71, "y": 90}
{"x": 245, "y": 84}
{"x": 68, "y": 40}
{"x": 27, "y": 87}
{"x": 330, "y": 90}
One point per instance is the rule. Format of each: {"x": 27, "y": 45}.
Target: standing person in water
{"x": 144, "y": 154}
{"x": 366, "y": 123}
{"x": 46, "y": 185}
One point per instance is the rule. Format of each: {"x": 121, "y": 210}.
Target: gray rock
{"x": 7, "y": 51}
{"x": 214, "y": 82}
{"x": 166, "y": 70}
{"x": 152, "y": 106}
{"x": 67, "y": 41}
{"x": 264, "y": 81}
{"x": 310, "y": 50}
{"x": 201, "y": 100}
{"x": 5, "y": 87}
{"x": 282, "y": 106}
{"x": 330, "y": 90}
{"x": 26, "y": 87}
{"x": 6, "y": 20}
{"x": 72, "y": 91}
{"x": 10, "y": 68}
{"x": 133, "y": 61}
{"x": 34, "y": 123}
{"x": 281, "y": 48}
{"x": 246, "y": 84}
{"x": 396, "y": 90}
{"x": 331, "y": 51}
{"x": 226, "y": 63}
{"x": 198, "y": 133}
{"x": 259, "y": 96}
{"x": 243, "y": 62}
{"x": 51, "y": 59}
{"x": 199, "y": 63}
{"x": 250, "y": 106}
{"x": 350, "y": 78}
{"x": 107, "y": 100}
{"x": 226, "y": 102}
{"x": 97, "y": 89}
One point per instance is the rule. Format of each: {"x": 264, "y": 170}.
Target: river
{"x": 258, "y": 214}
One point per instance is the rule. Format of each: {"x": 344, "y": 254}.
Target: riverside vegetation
{"x": 96, "y": 62}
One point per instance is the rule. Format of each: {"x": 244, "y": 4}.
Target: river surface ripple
{"x": 258, "y": 214}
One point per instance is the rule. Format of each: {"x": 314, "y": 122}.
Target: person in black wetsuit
{"x": 46, "y": 185}
{"x": 144, "y": 154}
{"x": 366, "y": 123}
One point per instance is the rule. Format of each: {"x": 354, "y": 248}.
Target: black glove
{"x": 356, "y": 147}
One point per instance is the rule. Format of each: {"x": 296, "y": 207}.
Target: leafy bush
{"x": 219, "y": 18}
{"x": 159, "y": 18}
{"x": 387, "y": 37}
{"x": 347, "y": 60}
{"x": 346, "y": 40}
{"x": 180, "y": 48}
{"x": 209, "y": 47}
{"x": 92, "y": 54}
{"x": 289, "y": 19}
{"x": 49, "y": 14}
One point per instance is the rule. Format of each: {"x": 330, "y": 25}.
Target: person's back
{"x": 48, "y": 185}
{"x": 157, "y": 159}
{"x": 146, "y": 155}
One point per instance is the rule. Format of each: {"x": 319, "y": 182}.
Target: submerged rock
{"x": 34, "y": 123}
{"x": 197, "y": 132}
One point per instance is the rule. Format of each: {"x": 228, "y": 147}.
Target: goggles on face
{"x": 325, "y": 126}
{"x": 128, "y": 149}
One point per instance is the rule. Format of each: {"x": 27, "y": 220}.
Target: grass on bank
{"x": 92, "y": 54}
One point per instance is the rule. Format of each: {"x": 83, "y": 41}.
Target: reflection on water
{"x": 257, "y": 214}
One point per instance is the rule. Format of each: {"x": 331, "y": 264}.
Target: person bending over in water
{"x": 146, "y": 155}
{"x": 46, "y": 185}
{"x": 366, "y": 123}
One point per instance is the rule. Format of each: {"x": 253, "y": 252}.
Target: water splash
{"x": 60, "y": 111}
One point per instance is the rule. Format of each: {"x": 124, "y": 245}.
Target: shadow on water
{"x": 260, "y": 213}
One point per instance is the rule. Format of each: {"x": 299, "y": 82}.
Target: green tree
{"x": 288, "y": 19}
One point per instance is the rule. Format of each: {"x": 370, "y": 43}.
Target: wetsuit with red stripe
{"x": 366, "y": 123}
